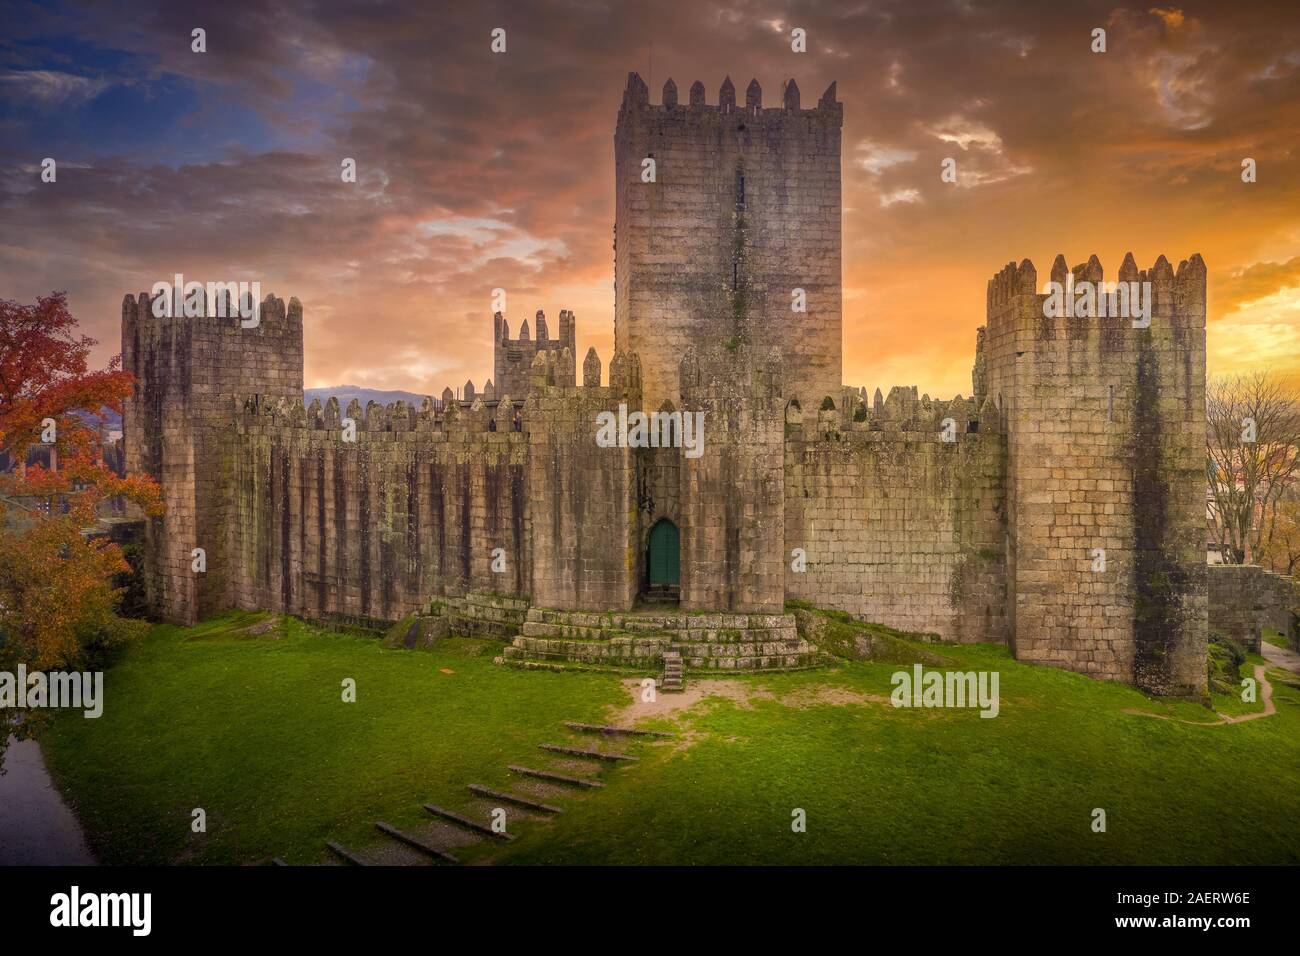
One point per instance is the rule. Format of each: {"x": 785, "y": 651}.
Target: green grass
{"x": 252, "y": 729}
{"x": 883, "y": 785}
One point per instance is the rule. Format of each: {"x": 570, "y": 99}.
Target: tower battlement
{"x": 512, "y": 359}
{"x": 636, "y": 96}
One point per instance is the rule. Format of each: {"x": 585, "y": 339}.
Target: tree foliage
{"x": 57, "y": 592}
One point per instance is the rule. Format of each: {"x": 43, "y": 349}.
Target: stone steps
{"x": 617, "y": 645}
{"x": 639, "y": 641}
{"x": 346, "y": 855}
{"x": 623, "y": 652}
{"x": 560, "y": 665}
{"x": 552, "y": 777}
{"x": 415, "y": 843}
{"x": 609, "y": 731}
{"x": 463, "y": 827}
{"x": 583, "y": 632}
{"x": 673, "y": 680}
{"x": 526, "y": 802}
{"x": 467, "y": 823}
{"x": 642, "y": 620}
{"x": 586, "y": 754}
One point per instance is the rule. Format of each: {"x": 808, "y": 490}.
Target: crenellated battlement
{"x": 901, "y": 415}
{"x": 636, "y": 98}
{"x": 256, "y": 412}
{"x": 554, "y": 390}
{"x": 219, "y": 312}
{"x": 539, "y": 336}
{"x": 513, "y": 358}
{"x": 1013, "y": 298}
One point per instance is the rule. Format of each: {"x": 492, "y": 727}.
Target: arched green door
{"x": 664, "y": 564}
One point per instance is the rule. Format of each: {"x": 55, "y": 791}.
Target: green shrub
{"x": 1223, "y": 664}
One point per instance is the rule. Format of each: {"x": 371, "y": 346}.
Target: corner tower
{"x": 179, "y": 426}
{"x": 742, "y": 209}
{"x": 1105, "y": 424}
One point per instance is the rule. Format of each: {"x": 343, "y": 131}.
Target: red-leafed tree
{"x": 57, "y": 583}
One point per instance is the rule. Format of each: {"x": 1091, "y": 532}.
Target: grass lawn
{"x": 253, "y": 730}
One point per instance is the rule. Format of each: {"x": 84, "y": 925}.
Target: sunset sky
{"x": 479, "y": 170}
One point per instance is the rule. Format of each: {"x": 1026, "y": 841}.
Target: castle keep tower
{"x": 743, "y": 209}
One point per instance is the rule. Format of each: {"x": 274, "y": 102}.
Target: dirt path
{"x": 741, "y": 692}
{"x": 1280, "y": 657}
{"x": 1267, "y": 690}
{"x": 1269, "y": 709}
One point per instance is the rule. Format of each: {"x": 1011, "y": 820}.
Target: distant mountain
{"x": 345, "y": 394}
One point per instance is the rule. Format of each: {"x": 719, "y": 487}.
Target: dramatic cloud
{"x": 50, "y": 88}
{"x": 477, "y": 171}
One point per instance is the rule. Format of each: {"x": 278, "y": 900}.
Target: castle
{"x": 977, "y": 519}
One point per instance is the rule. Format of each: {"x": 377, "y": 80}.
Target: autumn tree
{"x": 1282, "y": 552}
{"x": 1252, "y": 438}
{"x": 57, "y": 592}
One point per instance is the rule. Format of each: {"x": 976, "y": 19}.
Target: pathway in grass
{"x": 1281, "y": 656}
{"x": 1265, "y": 698}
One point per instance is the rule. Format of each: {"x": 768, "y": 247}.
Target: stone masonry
{"x": 1245, "y": 599}
{"x": 976, "y": 519}
{"x": 512, "y": 359}
{"x": 743, "y": 209}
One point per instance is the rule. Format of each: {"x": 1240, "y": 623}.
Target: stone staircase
{"x": 641, "y": 641}
{"x": 571, "y": 772}
{"x": 673, "y": 680}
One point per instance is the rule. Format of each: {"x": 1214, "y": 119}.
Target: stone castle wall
{"x": 372, "y": 529}
{"x": 1244, "y": 599}
{"x": 581, "y": 497}
{"x": 899, "y": 526}
{"x": 986, "y": 537}
{"x": 744, "y": 208}
{"x": 733, "y": 496}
